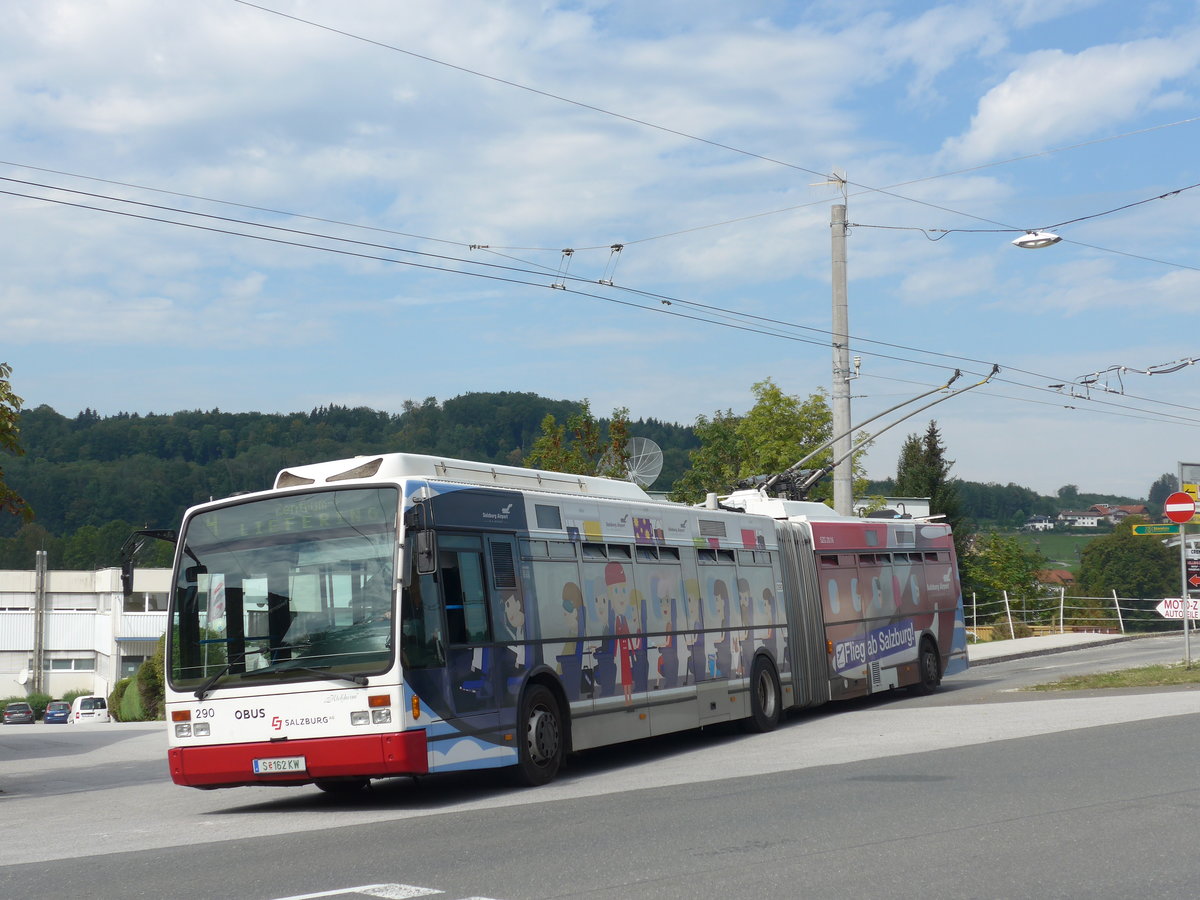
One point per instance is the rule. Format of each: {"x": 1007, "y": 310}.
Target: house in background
{"x": 1055, "y": 578}
{"x": 1071, "y": 519}
{"x": 1117, "y": 514}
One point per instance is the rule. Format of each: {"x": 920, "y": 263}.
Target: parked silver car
{"x": 18, "y": 714}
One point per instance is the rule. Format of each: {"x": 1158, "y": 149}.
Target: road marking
{"x": 389, "y": 891}
{"x": 385, "y": 891}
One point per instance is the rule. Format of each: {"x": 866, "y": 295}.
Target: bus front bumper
{"x": 360, "y": 756}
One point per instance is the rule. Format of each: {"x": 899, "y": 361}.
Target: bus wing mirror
{"x": 133, "y": 546}
{"x": 426, "y": 546}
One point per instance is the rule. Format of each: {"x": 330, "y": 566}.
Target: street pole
{"x": 1187, "y": 597}
{"x": 843, "y": 477}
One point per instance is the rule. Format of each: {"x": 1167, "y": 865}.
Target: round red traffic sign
{"x": 1179, "y": 507}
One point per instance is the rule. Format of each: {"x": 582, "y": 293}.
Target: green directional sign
{"x": 1156, "y": 529}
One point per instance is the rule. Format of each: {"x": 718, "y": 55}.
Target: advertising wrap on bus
{"x": 406, "y": 614}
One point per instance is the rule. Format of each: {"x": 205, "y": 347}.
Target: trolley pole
{"x": 843, "y": 471}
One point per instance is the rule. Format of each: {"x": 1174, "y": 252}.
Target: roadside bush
{"x": 151, "y": 690}
{"x": 1001, "y": 631}
{"x": 114, "y": 699}
{"x": 69, "y": 696}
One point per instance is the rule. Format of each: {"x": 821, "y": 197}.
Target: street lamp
{"x": 1036, "y": 240}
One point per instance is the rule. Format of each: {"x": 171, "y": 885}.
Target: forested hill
{"x": 92, "y": 479}
{"x": 145, "y": 470}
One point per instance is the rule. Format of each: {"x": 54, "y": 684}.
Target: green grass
{"x": 1147, "y": 676}
{"x": 1061, "y": 550}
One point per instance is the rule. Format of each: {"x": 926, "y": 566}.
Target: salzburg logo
{"x": 276, "y": 722}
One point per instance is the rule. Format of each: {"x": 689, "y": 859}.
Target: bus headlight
{"x": 381, "y": 716}
{"x": 183, "y": 729}
{"x": 201, "y": 729}
{"x": 360, "y": 717}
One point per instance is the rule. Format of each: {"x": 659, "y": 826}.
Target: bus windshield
{"x": 294, "y": 587}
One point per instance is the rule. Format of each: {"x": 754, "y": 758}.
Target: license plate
{"x": 279, "y": 764}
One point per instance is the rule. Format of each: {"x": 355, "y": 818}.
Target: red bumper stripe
{"x": 371, "y": 755}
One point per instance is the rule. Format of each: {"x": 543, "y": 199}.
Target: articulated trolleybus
{"x": 403, "y": 615}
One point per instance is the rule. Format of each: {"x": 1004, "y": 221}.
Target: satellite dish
{"x": 23, "y": 677}
{"x": 645, "y": 461}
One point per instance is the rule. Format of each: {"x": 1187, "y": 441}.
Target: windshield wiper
{"x": 211, "y": 681}
{"x": 322, "y": 672}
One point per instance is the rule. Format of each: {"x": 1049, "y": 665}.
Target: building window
{"x": 74, "y": 664}
{"x": 130, "y": 665}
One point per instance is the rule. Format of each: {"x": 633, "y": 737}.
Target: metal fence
{"x": 1061, "y": 613}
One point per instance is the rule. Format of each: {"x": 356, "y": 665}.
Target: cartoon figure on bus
{"x": 513, "y": 655}
{"x": 721, "y": 656}
{"x": 604, "y": 669}
{"x": 668, "y": 648}
{"x": 771, "y": 636}
{"x": 695, "y": 633}
{"x": 641, "y": 664}
{"x": 620, "y": 606}
{"x": 570, "y": 659}
{"x": 746, "y": 636}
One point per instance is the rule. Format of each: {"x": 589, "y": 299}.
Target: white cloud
{"x": 1054, "y": 96}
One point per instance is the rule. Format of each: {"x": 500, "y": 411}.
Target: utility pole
{"x": 843, "y": 477}
{"x": 39, "y": 622}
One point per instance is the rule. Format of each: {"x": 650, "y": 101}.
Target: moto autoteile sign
{"x": 1173, "y": 608}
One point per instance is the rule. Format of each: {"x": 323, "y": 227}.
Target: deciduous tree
{"x": 1166, "y": 485}
{"x": 997, "y": 564}
{"x": 582, "y": 446}
{"x": 10, "y": 409}
{"x": 776, "y": 432}
{"x": 1132, "y": 565}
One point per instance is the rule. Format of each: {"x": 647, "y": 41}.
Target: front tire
{"x": 766, "y": 706}
{"x": 540, "y": 751}
{"x": 343, "y": 787}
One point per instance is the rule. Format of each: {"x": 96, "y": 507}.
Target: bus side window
{"x": 421, "y": 630}
{"x": 465, "y": 596}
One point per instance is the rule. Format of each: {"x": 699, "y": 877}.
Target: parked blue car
{"x": 57, "y": 712}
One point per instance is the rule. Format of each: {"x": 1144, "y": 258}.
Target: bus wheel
{"x": 930, "y": 667}
{"x": 765, "y": 705}
{"x": 343, "y": 787}
{"x": 540, "y": 748}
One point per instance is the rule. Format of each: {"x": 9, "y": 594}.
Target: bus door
{"x": 511, "y": 654}
{"x": 473, "y": 676}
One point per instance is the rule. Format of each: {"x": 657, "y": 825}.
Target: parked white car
{"x": 89, "y": 709}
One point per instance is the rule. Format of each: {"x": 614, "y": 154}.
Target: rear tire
{"x": 540, "y": 737}
{"x": 929, "y": 666}
{"x": 766, "y": 706}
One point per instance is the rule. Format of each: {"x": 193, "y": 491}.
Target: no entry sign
{"x": 1179, "y": 507}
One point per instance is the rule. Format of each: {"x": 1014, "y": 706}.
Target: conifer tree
{"x": 924, "y": 471}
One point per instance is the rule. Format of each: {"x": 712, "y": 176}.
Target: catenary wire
{"x": 662, "y": 298}
{"x": 653, "y": 125}
{"x": 767, "y": 331}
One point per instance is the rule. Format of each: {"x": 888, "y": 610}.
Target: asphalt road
{"x": 976, "y": 791}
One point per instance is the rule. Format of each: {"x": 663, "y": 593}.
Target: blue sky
{"x": 490, "y": 136}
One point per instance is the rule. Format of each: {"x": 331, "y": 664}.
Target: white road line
{"x": 388, "y": 891}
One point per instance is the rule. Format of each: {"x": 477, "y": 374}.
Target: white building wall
{"x": 86, "y": 627}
